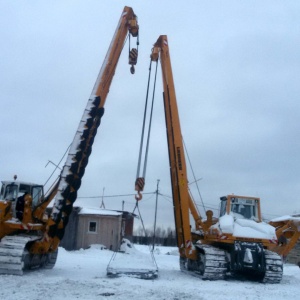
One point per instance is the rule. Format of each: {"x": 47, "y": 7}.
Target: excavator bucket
{"x": 132, "y": 263}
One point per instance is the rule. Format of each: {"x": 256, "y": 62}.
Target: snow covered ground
{"x": 82, "y": 275}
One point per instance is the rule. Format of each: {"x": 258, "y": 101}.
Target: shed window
{"x": 92, "y": 226}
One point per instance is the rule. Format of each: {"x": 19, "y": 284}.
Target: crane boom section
{"x": 238, "y": 241}
{"x": 127, "y": 23}
{"x": 81, "y": 147}
{"x": 176, "y": 150}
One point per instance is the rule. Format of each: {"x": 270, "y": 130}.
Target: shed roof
{"x": 98, "y": 211}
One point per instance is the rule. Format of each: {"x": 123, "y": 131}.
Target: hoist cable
{"x": 128, "y": 42}
{"x": 137, "y": 41}
{"x": 144, "y": 122}
{"x": 155, "y": 217}
{"x": 144, "y": 229}
{"x": 188, "y": 157}
{"x": 150, "y": 124}
{"x": 138, "y": 209}
{"x": 134, "y": 208}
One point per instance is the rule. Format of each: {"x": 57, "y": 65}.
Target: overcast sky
{"x": 236, "y": 70}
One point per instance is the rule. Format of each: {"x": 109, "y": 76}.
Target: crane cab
{"x": 13, "y": 191}
{"x": 241, "y": 207}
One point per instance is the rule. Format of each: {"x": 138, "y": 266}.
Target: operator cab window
{"x": 223, "y": 206}
{"x": 244, "y": 208}
{"x": 11, "y": 192}
{"x": 2, "y": 192}
{"x": 24, "y": 189}
{"x": 37, "y": 195}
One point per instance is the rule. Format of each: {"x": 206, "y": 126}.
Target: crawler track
{"x": 212, "y": 263}
{"x": 274, "y": 267}
{"x": 15, "y": 258}
{"x": 12, "y": 254}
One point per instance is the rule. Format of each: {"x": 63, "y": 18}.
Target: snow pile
{"x": 287, "y": 218}
{"x": 251, "y": 229}
{"x": 295, "y": 219}
{"x": 245, "y": 228}
{"x": 225, "y": 224}
{"x": 127, "y": 247}
{"x": 98, "y": 211}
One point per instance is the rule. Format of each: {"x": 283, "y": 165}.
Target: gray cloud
{"x": 235, "y": 66}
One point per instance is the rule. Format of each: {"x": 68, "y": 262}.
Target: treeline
{"x": 163, "y": 237}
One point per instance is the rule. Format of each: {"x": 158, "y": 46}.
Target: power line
{"x": 112, "y": 196}
{"x": 166, "y": 197}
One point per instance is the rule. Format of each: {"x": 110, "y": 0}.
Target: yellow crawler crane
{"x": 236, "y": 243}
{"x": 29, "y": 238}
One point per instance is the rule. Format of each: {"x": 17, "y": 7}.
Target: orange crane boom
{"x": 236, "y": 242}
{"x": 24, "y": 225}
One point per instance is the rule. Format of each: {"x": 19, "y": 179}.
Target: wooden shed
{"x": 89, "y": 226}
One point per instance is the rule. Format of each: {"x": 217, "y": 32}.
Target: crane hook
{"x": 132, "y": 69}
{"x": 133, "y": 56}
{"x": 139, "y": 196}
{"x": 139, "y": 187}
